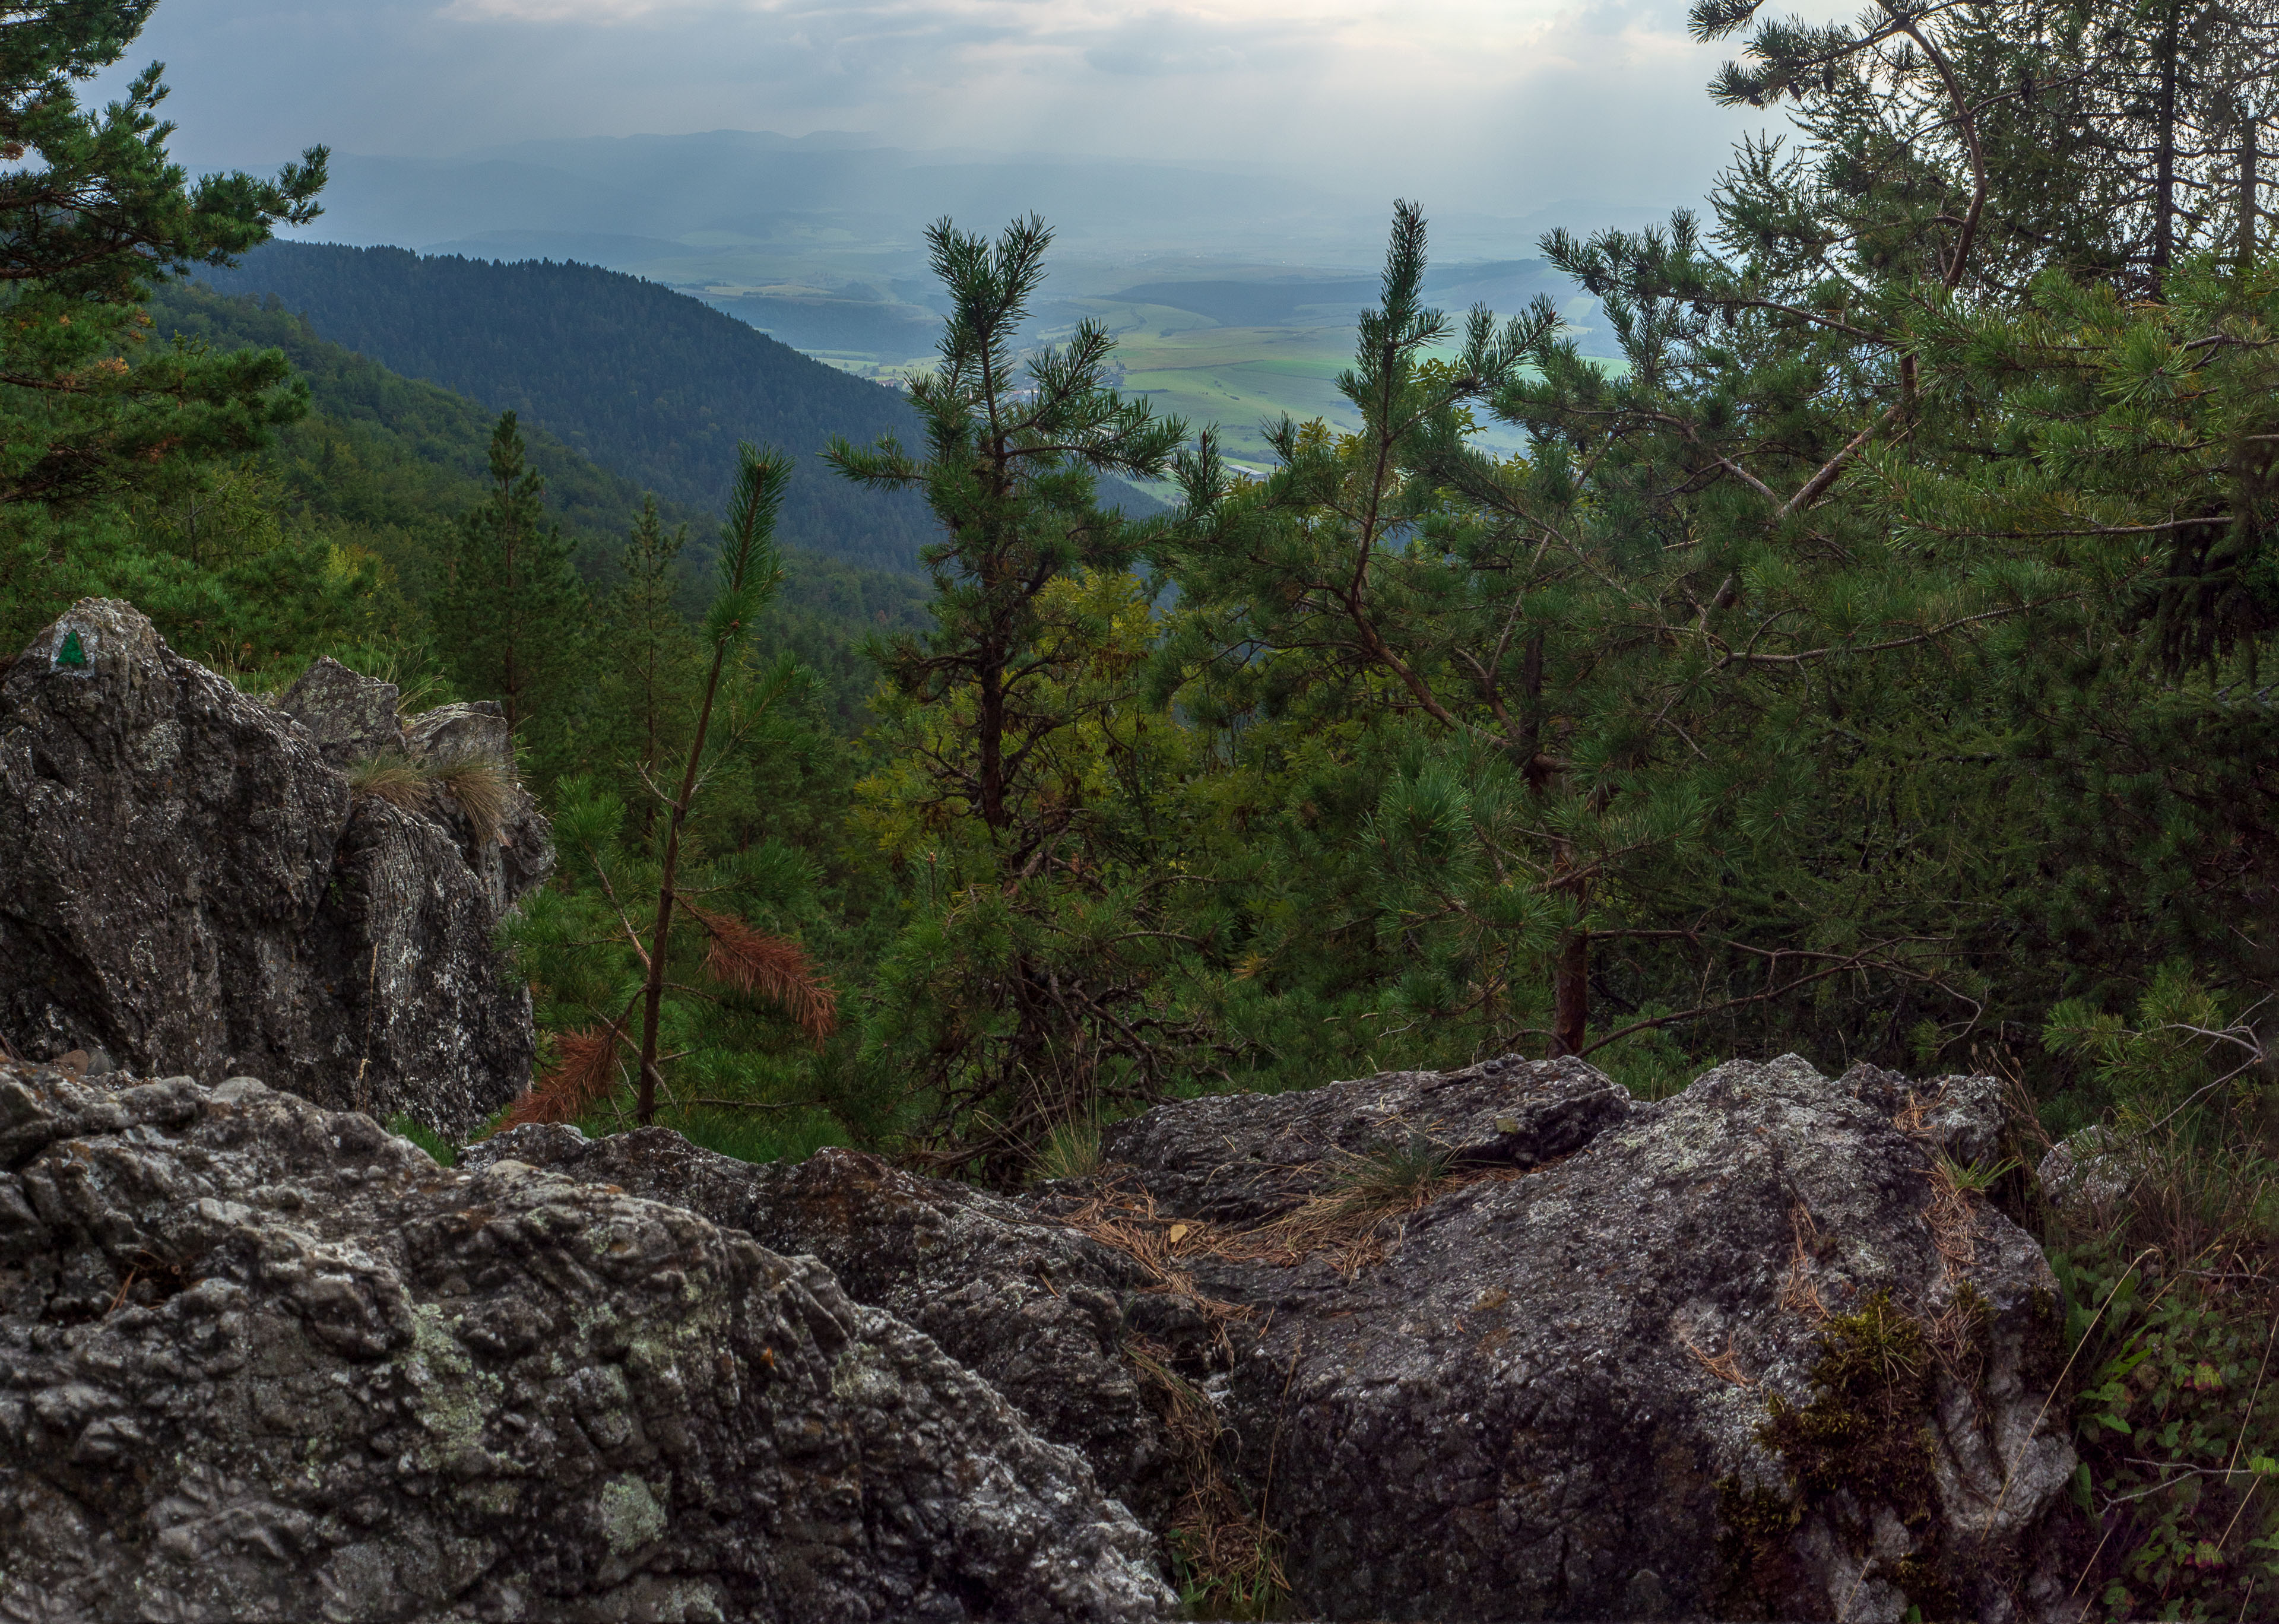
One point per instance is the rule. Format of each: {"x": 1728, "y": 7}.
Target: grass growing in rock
{"x": 1863, "y": 1441}
{"x": 480, "y": 789}
{"x": 444, "y": 1153}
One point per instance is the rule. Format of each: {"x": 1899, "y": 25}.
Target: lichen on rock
{"x": 1620, "y": 1362}
{"x": 262, "y": 1360}
{"x": 189, "y": 886}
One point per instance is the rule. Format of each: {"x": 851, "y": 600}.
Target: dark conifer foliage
{"x": 512, "y": 613}
{"x": 92, "y": 211}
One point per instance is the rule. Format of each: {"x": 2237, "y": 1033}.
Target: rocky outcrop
{"x": 1740, "y": 1354}
{"x": 1501, "y": 1344}
{"x": 1241, "y": 1157}
{"x": 263, "y": 1360}
{"x": 1039, "y": 1310}
{"x": 189, "y": 884}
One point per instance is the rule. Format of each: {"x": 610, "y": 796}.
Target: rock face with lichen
{"x": 1503, "y": 1344}
{"x": 187, "y": 883}
{"x": 261, "y": 1360}
{"x": 1039, "y": 1310}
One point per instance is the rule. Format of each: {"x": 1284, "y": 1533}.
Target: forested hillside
{"x": 647, "y": 382}
{"x": 1875, "y": 664}
{"x": 344, "y": 524}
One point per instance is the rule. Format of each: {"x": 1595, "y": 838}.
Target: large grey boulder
{"x": 166, "y": 845}
{"x": 1593, "y": 1368}
{"x": 188, "y": 884}
{"x": 349, "y": 716}
{"x": 1038, "y": 1309}
{"x": 1245, "y": 1157}
{"x": 263, "y": 1360}
{"x": 1740, "y": 1354}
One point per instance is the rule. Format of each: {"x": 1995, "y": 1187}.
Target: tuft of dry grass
{"x": 391, "y": 779}
{"x": 481, "y": 789}
{"x": 1363, "y": 1215}
{"x": 1231, "y": 1559}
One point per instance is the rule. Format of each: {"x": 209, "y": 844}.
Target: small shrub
{"x": 2172, "y": 1309}
{"x": 444, "y": 1153}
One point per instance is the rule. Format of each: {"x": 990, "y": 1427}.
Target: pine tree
{"x": 647, "y": 960}
{"x": 511, "y": 617}
{"x": 1018, "y": 1005}
{"x": 86, "y": 226}
{"x": 652, "y": 664}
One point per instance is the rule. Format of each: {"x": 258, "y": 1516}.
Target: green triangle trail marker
{"x": 72, "y": 652}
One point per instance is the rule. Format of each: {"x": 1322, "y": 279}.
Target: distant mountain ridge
{"x": 649, "y": 383}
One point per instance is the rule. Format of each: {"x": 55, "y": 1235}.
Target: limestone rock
{"x": 1038, "y": 1310}
{"x": 1562, "y": 1381}
{"x": 350, "y": 716}
{"x": 1552, "y": 1396}
{"x": 166, "y": 845}
{"x": 2087, "y": 1175}
{"x": 187, "y": 886}
{"x": 510, "y": 850}
{"x": 259, "y": 1359}
{"x": 1245, "y": 1157}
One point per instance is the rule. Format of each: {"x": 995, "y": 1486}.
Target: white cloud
{"x": 1498, "y": 104}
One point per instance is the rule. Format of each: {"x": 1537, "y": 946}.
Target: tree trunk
{"x": 989, "y": 723}
{"x": 1571, "y": 994}
{"x": 2249, "y": 158}
{"x": 2164, "y": 180}
{"x": 660, "y": 941}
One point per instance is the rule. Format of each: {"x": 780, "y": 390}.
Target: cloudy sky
{"x": 1498, "y": 105}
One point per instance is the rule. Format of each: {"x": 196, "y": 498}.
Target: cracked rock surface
{"x": 188, "y": 884}
{"x": 259, "y": 1359}
{"x": 1549, "y": 1401}
{"x": 1547, "y": 1396}
{"x": 1034, "y": 1307}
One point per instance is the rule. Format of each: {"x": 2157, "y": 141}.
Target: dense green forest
{"x": 642, "y": 379}
{"x": 1878, "y": 666}
{"x": 379, "y": 471}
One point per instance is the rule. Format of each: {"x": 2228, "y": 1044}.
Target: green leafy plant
{"x": 2172, "y": 1313}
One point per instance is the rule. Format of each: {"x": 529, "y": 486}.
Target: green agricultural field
{"x": 1241, "y": 377}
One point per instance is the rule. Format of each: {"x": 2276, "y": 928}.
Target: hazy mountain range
{"x": 819, "y": 240}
